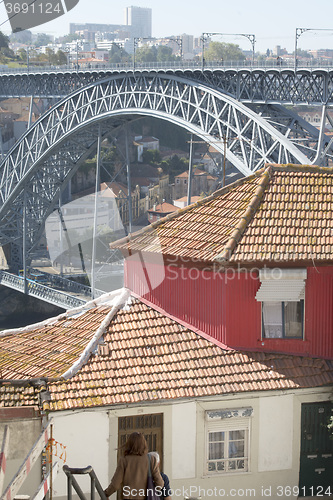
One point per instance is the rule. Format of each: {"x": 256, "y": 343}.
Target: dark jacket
{"x": 132, "y": 473}
{"x": 166, "y": 490}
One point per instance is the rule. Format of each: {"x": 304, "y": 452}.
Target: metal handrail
{"x": 174, "y": 65}
{"x": 68, "y": 285}
{"x": 72, "y": 482}
{"x": 39, "y": 291}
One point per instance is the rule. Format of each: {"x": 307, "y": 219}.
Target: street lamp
{"x": 300, "y": 31}
{"x": 179, "y": 42}
{"x": 28, "y": 59}
{"x": 136, "y": 41}
{"x": 249, "y": 36}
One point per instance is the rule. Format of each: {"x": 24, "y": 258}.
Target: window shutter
{"x": 286, "y": 285}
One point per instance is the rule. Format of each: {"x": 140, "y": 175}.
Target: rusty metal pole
{"x": 190, "y": 173}
{"x": 224, "y": 153}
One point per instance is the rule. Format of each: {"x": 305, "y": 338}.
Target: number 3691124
{"x": 33, "y": 8}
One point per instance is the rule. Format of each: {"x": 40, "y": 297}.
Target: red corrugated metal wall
{"x": 244, "y": 312}
{"x": 196, "y": 297}
{"x": 224, "y": 306}
{"x": 319, "y": 311}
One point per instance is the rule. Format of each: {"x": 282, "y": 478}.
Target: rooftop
{"x": 252, "y": 220}
{"x": 163, "y": 208}
{"x": 120, "y": 350}
{"x": 196, "y": 171}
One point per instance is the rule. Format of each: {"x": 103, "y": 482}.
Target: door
{"x": 316, "y": 462}
{"x": 151, "y": 426}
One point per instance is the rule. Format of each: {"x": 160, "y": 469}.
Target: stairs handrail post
{"x": 72, "y": 483}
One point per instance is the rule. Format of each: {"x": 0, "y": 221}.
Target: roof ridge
{"x": 246, "y": 217}
{"x": 188, "y": 208}
{"x": 293, "y": 167}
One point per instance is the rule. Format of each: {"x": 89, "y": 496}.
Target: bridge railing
{"x": 172, "y": 65}
{"x": 67, "y": 285}
{"x": 42, "y": 292}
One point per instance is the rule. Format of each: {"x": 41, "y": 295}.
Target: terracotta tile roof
{"x": 114, "y": 187}
{"x": 294, "y": 219}
{"x": 194, "y": 199}
{"x": 196, "y": 171}
{"x": 147, "y": 356}
{"x": 201, "y": 230}
{"x": 164, "y": 208}
{"x": 51, "y": 348}
{"x": 252, "y": 219}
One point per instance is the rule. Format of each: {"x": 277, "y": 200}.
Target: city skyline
{"x": 271, "y": 27}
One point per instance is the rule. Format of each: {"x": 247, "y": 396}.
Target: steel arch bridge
{"x": 41, "y": 164}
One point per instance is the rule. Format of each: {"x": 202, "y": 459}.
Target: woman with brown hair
{"x": 132, "y": 470}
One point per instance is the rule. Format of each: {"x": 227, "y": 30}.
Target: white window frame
{"x": 283, "y": 336}
{"x": 282, "y": 286}
{"x": 226, "y": 421}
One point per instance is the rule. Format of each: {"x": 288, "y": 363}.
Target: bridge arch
{"x": 40, "y": 165}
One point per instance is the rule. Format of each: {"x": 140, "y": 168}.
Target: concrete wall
{"x": 84, "y": 436}
{"x": 23, "y": 432}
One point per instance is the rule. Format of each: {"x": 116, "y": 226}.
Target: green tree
{"x": 69, "y": 38}
{"x": 146, "y": 54}
{"x": 42, "y": 39}
{"x": 4, "y": 41}
{"x": 117, "y": 54}
{"x": 109, "y": 157}
{"x": 24, "y": 36}
{"x": 152, "y": 156}
{"x": 6, "y": 53}
{"x": 218, "y": 51}
{"x": 22, "y": 55}
{"x": 174, "y": 166}
{"x": 61, "y": 58}
{"x": 165, "y": 54}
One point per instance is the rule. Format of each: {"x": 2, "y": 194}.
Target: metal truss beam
{"x": 310, "y": 86}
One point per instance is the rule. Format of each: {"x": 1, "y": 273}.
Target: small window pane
{"x": 236, "y": 444}
{"x": 211, "y": 466}
{"x": 272, "y": 319}
{"x": 293, "y": 319}
{"x": 216, "y": 445}
{"x": 236, "y": 435}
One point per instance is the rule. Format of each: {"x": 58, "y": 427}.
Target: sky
{"x": 273, "y": 23}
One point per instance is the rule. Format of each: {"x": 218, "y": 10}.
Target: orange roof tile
{"x": 196, "y": 171}
{"x": 51, "y": 348}
{"x": 164, "y": 208}
{"x": 147, "y": 356}
{"x": 251, "y": 220}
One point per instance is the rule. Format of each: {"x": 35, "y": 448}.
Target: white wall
{"x": 92, "y": 438}
{"x": 183, "y": 440}
{"x": 276, "y": 433}
{"x": 86, "y": 437}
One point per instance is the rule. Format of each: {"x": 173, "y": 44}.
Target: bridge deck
{"x": 46, "y": 293}
{"x": 249, "y": 82}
